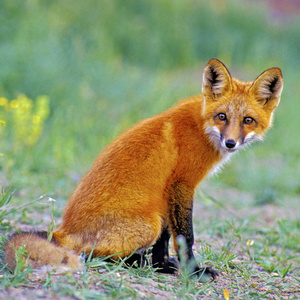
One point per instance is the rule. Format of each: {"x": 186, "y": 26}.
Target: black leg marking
{"x": 160, "y": 254}
{"x": 181, "y": 216}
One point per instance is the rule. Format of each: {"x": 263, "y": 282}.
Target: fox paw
{"x": 206, "y": 274}
{"x": 169, "y": 266}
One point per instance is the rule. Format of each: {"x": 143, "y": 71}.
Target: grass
{"x": 255, "y": 252}
{"x": 106, "y": 65}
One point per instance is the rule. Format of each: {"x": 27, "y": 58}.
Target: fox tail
{"x": 40, "y": 252}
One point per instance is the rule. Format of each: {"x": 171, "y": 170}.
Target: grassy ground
{"x": 106, "y": 65}
{"x": 255, "y": 248}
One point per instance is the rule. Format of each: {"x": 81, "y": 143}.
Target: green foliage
{"x": 21, "y": 272}
{"x": 107, "y": 64}
{"x": 52, "y": 225}
{"x": 5, "y": 198}
{"x": 21, "y": 269}
{"x": 24, "y": 120}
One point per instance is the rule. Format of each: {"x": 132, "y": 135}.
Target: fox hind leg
{"x": 160, "y": 255}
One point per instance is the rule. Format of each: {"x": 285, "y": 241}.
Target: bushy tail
{"x": 40, "y": 252}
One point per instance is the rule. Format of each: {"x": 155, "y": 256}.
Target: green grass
{"x": 256, "y": 255}
{"x": 105, "y": 65}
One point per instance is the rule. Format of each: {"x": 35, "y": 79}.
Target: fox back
{"x": 140, "y": 189}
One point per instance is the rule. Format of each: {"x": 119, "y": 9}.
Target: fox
{"x": 139, "y": 191}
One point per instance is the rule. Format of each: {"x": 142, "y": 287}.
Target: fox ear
{"x": 267, "y": 88}
{"x": 216, "y": 79}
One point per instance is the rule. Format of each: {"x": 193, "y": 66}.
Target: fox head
{"x": 237, "y": 113}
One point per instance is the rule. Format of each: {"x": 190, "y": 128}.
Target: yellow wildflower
{"x": 226, "y": 294}
{"x": 36, "y": 120}
{"x": 3, "y": 101}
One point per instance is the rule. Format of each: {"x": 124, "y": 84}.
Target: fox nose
{"x": 230, "y": 144}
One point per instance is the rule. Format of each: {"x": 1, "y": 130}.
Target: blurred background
{"x": 74, "y": 74}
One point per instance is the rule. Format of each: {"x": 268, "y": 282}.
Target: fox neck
{"x": 218, "y": 166}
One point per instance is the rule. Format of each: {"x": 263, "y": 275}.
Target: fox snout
{"x": 230, "y": 144}
{"x": 223, "y": 142}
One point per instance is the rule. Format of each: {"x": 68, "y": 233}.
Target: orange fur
{"x": 144, "y": 181}
{"x": 39, "y": 253}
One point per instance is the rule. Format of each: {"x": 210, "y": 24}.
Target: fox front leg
{"x": 181, "y": 213}
{"x": 160, "y": 254}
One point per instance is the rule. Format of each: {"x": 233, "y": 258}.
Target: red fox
{"x": 139, "y": 191}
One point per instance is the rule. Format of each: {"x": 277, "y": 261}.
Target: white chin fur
{"x": 215, "y": 137}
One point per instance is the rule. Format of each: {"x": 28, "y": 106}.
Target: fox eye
{"x": 222, "y": 117}
{"x": 248, "y": 120}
